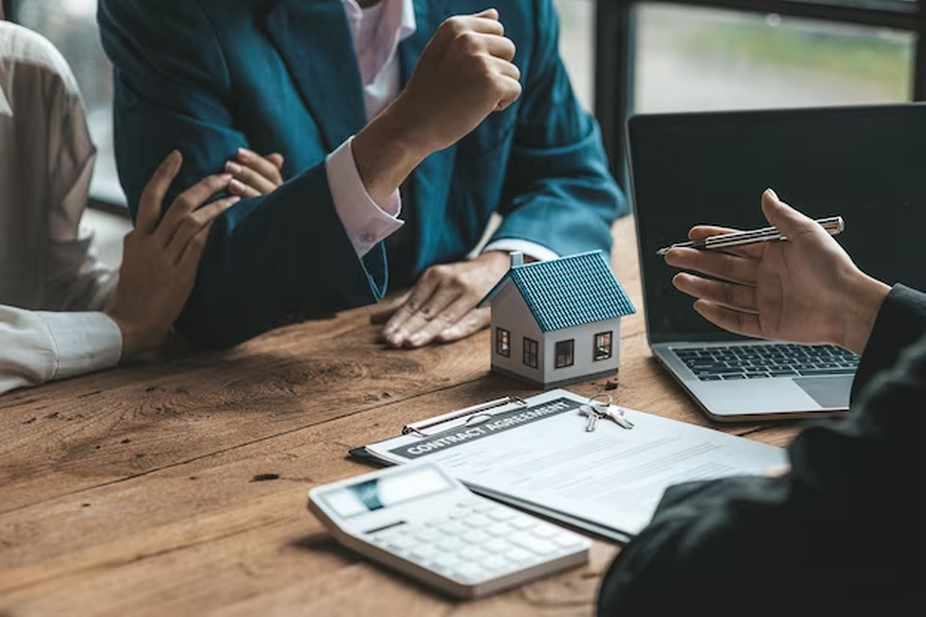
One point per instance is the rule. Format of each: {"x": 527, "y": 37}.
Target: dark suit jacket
{"x": 842, "y": 533}
{"x": 208, "y": 76}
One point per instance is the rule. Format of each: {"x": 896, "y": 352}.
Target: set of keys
{"x": 599, "y": 407}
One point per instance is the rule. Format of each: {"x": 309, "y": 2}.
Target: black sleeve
{"x": 900, "y": 322}
{"x": 842, "y": 530}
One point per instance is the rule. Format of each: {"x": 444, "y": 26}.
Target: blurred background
{"x": 624, "y": 57}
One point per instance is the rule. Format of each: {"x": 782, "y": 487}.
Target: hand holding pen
{"x": 803, "y": 290}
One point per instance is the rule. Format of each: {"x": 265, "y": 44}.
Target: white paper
{"x": 611, "y": 478}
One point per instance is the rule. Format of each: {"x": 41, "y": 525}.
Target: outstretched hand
{"x": 805, "y": 290}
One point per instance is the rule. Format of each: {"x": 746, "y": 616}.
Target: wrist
{"x": 385, "y": 154}
{"x": 863, "y": 299}
{"x": 134, "y": 338}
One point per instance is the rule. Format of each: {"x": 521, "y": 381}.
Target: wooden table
{"x": 179, "y": 488}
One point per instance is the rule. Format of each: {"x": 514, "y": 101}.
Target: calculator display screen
{"x": 387, "y": 491}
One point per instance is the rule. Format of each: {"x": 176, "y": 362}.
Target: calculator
{"x": 420, "y": 521}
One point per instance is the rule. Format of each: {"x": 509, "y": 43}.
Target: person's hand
{"x": 254, "y": 175}
{"x": 442, "y": 306}
{"x": 465, "y": 73}
{"x": 805, "y": 290}
{"x": 162, "y": 255}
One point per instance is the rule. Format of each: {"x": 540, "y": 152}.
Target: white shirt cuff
{"x": 85, "y": 342}
{"x": 367, "y": 224}
{"x": 510, "y": 245}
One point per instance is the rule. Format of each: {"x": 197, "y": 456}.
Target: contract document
{"x": 536, "y": 454}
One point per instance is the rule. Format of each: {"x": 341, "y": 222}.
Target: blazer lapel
{"x": 315, "y": 41}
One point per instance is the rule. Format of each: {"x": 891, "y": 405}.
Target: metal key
{"x": 591, "y": 417}
{"x": 617, "y": 415}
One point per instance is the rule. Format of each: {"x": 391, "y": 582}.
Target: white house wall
{"x": 510, "y": 311}
{"x": 585, "y": 365}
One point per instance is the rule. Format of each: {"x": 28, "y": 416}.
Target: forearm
{"x": 272, "y": 261}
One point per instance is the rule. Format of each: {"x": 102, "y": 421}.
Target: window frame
{"x": 596, "y": 347}
{"x": 615, "y": 44}
{"x": 534, "y": 346}
{"x": 570, "y": 359}
{"x": 503, "y": 342}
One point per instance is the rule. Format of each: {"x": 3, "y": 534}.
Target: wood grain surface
{"x": 178, "y": 487}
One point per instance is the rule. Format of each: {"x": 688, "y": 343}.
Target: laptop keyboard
{"x": 766, "y": 361}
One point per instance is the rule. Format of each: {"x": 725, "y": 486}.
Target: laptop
{"x": 863, "y": 163}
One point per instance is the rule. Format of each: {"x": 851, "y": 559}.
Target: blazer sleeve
{"x": 900, "y": 322}
{"x": 558, "y": 189}
{"x": 269, "y": 260}
{"x": 834, "y": 534}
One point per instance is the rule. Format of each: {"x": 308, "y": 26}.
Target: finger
{"x": 499, "y": 47}
{"x": 194, "y": 223}
{"x": 245, "y": 191}
{"x": 425, "y": 331}
{"x": 152, "y": 198}
{"x": 387, "y": 309}
{"x": 431, "y": 309}
{"x": 277, "y": 160}
{"x": 193, "y": 252}
{"x": 706, "y": 231}
{"x": 740, "y": 297}
{"x": 505, "y": 68}
{"x": 510, "y": 92}
{"x": 783, "y": 217}
{"x": 715, "y": 263}
{"x": 253, "y": 179}
{"x": 259, "y": 164}
{"x": 738, "y": 322}
{"x": 473, "y": 322}
{"x": 419, "y": 295}
{"x": 481, "y": 23}
{"x": 188, "y": 201}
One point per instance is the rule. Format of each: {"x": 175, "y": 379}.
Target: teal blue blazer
{"x": 209, "y": 76}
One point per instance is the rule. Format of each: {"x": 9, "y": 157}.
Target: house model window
{"x": 604, "y": 346}
{"x": 565, "y": 353}
{"x": 503, "y": 342}
{"x": 531, "y": 352}
{"x": 557, "y": 322}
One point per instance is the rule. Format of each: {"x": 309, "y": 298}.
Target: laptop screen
{"x": 867, "y": 164}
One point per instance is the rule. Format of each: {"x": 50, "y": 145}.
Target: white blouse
{"x": 46, "y": 163}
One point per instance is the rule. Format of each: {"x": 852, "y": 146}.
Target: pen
{"x": 833, "y": 224}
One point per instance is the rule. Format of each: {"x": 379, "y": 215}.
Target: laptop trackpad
{"x": 829, "y": 392}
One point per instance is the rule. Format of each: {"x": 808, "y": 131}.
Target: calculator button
{"x": 499, "y": 529}
{"x": 519, "y": 555}
{"x": 567, "y": 540}
{"x": 496, "y": 545}
{"x": 522, "y": 522}
{"x": 470, "y": 571}
{"x": 472, "y": 553}
{"x": 435, "y": 522}
{"x": 483, "y": 506}
{"x": 477, "y": 520}
{"x": 424, "y": 551}
{"x": 453, "y": 528}
{"x": 500, "y": 514}
{"x": 428, "y": 535}
{"x": 451, "y": 544}
{"x": 458, "y": 514}
{"x": 545, "y": 531}
{"x": 541, "y": 547}
{"x": 401, "y": 543}
{"x": 495, "y": 562}
{"x": 476, "y": 537}
{"x": 447, "y": 561}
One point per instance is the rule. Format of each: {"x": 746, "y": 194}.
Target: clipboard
{"x": 536, "y": 454}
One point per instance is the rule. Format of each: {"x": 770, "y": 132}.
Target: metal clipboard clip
{"x": 476, "y": 414}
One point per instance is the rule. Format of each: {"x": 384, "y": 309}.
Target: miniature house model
{"x": 557, "y": 322}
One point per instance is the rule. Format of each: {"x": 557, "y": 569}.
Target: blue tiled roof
{"x": 568, "y": 292}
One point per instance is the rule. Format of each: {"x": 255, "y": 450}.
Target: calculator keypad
{"x": 478, "y": 540}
